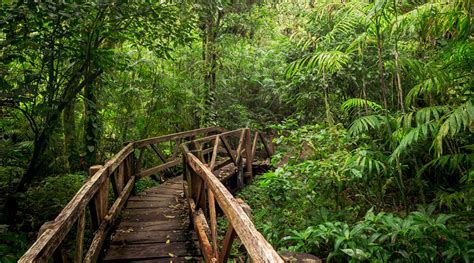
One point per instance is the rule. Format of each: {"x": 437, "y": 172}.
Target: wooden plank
{"x": 123, "y": 237}
{"x": 258, "y": 248}
{"x": 100, "y": 235}
{"x": 171, "y": 224}
{"x": 174, "y": 136}
{"x": 147, "y": 205}
{"x": 47, "y": 243}
{"x": 147, "y": 251}
{"x": 143, "y": 215}
{"x": 159, "y": 168}
{"x": 152, "y": 198}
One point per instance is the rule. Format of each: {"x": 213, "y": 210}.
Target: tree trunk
{"x": 91, "y": 125}
{"x": 70, "y": 141}
{"x": 381, "y": 67}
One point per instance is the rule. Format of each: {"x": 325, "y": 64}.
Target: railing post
{"x": 81, "y": 223}
{"x": 99, "y": 205}
{"x": 230, "y": 233}
{"x": 248, "y": 154}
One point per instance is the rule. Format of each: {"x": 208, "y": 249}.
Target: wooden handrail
{"x": 200, "y": 176}
{"x": 175, "y": 136}
{"x": 174, "y": 159}
{"x": 56, "y": 231}
{"x": 124, "y": 169}
{"x": 258, "y": 248}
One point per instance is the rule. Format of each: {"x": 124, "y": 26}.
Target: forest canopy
{"x": 371, "y": 103}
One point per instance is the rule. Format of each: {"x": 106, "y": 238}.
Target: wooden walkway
{"x": 154, "y": 227}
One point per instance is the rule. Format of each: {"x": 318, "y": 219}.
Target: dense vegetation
{"x": 371, "y": 100}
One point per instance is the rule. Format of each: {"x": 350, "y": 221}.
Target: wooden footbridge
{"x": 174, "y": 222}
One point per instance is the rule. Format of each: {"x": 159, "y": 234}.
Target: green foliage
{"x": 44, "y": 202}
{"x": 145, "y": 183}
{"x": 12, "y": 245}
{"x": 382, "y": 237}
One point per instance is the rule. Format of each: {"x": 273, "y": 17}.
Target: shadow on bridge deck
{"x": 155, "y": 227}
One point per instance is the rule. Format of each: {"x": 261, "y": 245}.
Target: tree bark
{"x": 70, "y": 140}
{"x": 91, "y": 124}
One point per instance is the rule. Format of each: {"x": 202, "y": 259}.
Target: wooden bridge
{"x": 174, "y": 222}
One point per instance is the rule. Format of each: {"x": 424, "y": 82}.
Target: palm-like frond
{"x": 451, "y": 162}
{"x": 459, "y": 119}
{"x": 415, "y": 135}
{"x": 366, "y": 123}
{"x": 359, "y": 103}
{"x": 323, "y": 62}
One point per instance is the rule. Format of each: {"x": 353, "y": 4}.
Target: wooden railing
{"x": 206, "y": 193}
{"x": 120, "y": 173}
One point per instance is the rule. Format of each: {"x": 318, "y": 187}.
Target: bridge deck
{"x": 154, "y": 227}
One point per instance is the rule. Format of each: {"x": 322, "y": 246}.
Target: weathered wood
{"x": 228, "y": 148}
{"x": 159, "y": 168}
{"x": 222, "y": 135}
{"x": 101, "y": 234}
{"x": 101, "y": 201}
{"x": 258, "y": 248}
{"x": 81, "y": 223}
{"x": 158, "y": 152}
{"x": 174, "y": 136}
{"x": 47, "y": 243}
{"x": 222, "y": 163}
{"x": 176, "y": 148}
{"x": 239, "y": 147}
{"x": 227, "y": 244}
{"x": 139, "y": 163}
{"x": 214, "y": 153}
{"x": 213, "y": 219}
{"x": 230, "y": 233}
{"x": 95, "y": 215}
{"x": 148, "y": 251}
{"x": 200, "y": 228}
{"x": 248, "y": 154}
{"x": 254, "y": 144}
